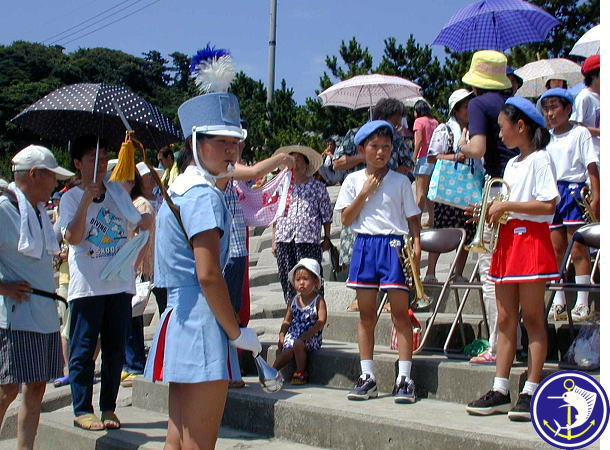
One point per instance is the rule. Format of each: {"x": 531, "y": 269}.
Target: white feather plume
{"x": 214, "y": 75}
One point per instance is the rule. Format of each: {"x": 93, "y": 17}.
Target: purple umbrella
{"x": 495, "y": 25}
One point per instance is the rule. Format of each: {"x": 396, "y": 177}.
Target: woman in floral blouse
{"x": 296, "y": 235}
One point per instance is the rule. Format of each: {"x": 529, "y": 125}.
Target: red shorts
{"x": 524, "y": 253}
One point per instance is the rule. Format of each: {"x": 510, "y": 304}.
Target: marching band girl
{"x": 524, "y": 260}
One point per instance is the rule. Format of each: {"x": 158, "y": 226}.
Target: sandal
{"x": 353, "y": 306}
{"x": 300, "y": 377}
{"x": 63, "y": 381}
{"x": 89, "y": 422}
{"x": 236, "y": 384}
{"x": 110, "y": 420}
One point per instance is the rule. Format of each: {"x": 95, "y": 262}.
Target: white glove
{"x": 247, "y": 340}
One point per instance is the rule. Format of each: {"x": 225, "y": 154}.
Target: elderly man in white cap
{"x": 30, "y": 349}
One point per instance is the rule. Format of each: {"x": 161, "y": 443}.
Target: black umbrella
{"x": 91, "y": 108}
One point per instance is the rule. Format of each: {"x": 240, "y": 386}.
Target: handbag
{"x": 140, "y": 300}
{"x": 456, "y": 184}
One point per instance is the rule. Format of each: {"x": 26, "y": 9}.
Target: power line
{"x": 85, "y": 21}
{"x": 110, "y": 23}
{"x": 87, "y": 27}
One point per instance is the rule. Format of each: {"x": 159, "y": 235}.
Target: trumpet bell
{"x": 270, "y": 379}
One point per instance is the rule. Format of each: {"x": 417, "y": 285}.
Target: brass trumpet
{"x": 585, "y": 205}
{"x": 411, "y": 271}
{"x": 478, "y": 244}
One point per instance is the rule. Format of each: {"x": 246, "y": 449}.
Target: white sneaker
{"x": 558, "y": 312}
{"x": 580, "y": 313}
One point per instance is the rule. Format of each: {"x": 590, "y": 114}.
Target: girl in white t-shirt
{"x": 524, "y": 260}
{"x": 574, "y": 157}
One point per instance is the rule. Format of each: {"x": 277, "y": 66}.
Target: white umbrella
{"x": 588, "y": 44}
{"x": 364, "y": 91}
{"x": 537, "y": 73}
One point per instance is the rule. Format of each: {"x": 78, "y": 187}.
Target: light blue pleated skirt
{"x": 189, "y": 344}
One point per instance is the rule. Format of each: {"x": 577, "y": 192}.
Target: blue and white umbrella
{"x": 495, "y": 25}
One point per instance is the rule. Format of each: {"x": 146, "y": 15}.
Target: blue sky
{"x": 307, "y": 31}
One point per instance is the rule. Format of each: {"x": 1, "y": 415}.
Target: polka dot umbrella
{"x": 89, "y": 108}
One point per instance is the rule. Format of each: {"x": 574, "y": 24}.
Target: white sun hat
{"x": 309, "y": 264}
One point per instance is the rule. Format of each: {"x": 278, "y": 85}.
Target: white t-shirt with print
{"x": 532, "y": 178}
{"x": 106, "y": 231}
{"x": 571, "y": 152}
{"x": 586, "y": 111}
{"x": 385, "y": 211}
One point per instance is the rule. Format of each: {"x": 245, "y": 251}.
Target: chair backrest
{"x": 442, "y": 240}
{"x": 588, "y": 235}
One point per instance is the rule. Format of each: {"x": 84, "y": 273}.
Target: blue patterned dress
{"x": 302, "y": 320}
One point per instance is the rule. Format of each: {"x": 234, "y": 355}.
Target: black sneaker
{"x": 404, "y": 392}
{"x": 365, "y": 388}
{"x": 521, "y": 410}
{"x": 493, "y": 402}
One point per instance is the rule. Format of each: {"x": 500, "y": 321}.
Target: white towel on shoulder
{"x": 123, "y": 201}
{"x": 34, "y": 238}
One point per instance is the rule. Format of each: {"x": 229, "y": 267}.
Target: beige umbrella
{"x": 588, "y": 44}
{"x": 537, "y": 73}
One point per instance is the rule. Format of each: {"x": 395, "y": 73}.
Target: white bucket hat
{"x": 456, "y": 97}
{"x": 143, "y": 169}
{"x": 309, "y": 264}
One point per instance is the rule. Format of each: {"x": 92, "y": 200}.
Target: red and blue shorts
{"x": 567, "y": 212}
{"x": 375, "y": 264}
{"x": 524, "y": 253}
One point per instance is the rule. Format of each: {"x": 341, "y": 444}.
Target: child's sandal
{"x": 300, "y": 377}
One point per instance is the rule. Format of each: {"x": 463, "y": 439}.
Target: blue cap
{"x": 527, "y": 108}
{"x": 369, "y": 128}
{"x": 213, "y": 114}
{"x": 558, "y": 92}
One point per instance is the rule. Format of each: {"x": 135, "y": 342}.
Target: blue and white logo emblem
{"x": 570, "y": 410}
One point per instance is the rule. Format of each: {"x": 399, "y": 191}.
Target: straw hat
{"x": 488, "y": 71}
{"x": 314, "y": 158}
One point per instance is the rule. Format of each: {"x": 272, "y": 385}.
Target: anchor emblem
{"x": 582, "y": 401}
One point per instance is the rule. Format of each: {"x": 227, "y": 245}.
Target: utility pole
{"x": 271, "y": 65}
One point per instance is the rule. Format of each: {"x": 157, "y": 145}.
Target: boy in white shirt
{"x": 573, "y": 155}
{"x": 586, "y": 105}
{"x": 377, "y": 203}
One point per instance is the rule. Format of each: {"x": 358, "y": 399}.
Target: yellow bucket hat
{"x": 488, "y": 71}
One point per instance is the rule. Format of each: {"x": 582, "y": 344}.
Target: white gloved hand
{"x": 247, "y": 340}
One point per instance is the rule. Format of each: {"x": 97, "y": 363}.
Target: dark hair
{"x": 137, "y": 190}
{"x": 381, "y": 131}
{"x": 564, "y": 83}
{"x": 84, "y": 144}
{"x": 304, "y": 157}
{"x": 589, "y": 76}
{"x": 422, "y": 109}
{"x": 167, "y": 152}
{"x": 539, "y": 136}
{"x": 185, "y": 157}
{"x": 561, "y": 100}
{"x": 388, "y": 107}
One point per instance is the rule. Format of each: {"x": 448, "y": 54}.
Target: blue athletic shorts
{"x": 567, "y": 212}
{"x": 375, "y": 264}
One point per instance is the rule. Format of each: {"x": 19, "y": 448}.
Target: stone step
{"x": 141, "y": 429}
{"x": 323, "y": 417}
{"x": 337, "y": 365}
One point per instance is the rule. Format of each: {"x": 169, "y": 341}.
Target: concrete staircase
{"x": 318, "y": 415}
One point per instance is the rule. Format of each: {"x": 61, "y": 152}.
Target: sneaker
{"x": 493, "y": 402}
{"x": 580, "y": 313}
{"x": 128, "y": 380}
{"x": 404, "y": 392}
{"x": 365, "y": 388}
{"x": 558, "y": 312}
{"x": 485, "y": 357}
{"x": 521, "y": 410}
{"x": 300, "y": 377}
